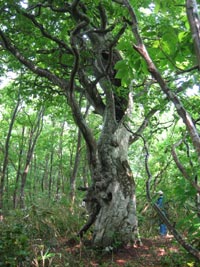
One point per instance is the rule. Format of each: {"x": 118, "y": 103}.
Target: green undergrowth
{"x": 31, "y": 237}
{"x": 45, "y": 235}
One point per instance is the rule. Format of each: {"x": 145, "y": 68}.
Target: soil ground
{"x": 150, "y": 253}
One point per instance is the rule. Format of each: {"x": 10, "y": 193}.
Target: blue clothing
{"x": 163, "y": 227}
{"x": 160, "y": 202}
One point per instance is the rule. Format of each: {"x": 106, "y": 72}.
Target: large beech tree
{"x": 97, "y": 50}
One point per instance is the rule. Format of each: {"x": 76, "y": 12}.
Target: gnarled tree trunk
{"x": 111, "y": 198}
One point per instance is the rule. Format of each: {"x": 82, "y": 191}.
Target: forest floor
{"x": 153, "y": 252}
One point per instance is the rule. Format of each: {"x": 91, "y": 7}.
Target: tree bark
{"x": 182, "y": 112}
{"x": 21, "y": 150}
{"x": 76, "y": 160}
{"x": 60, "y": 171}
{"x": 85, "y": 172}
{"x": 181, "y": 168}
{"x": 111, "y": 198}
{"x": 44, "y": 179}
{"x": 6, "y": 152}
{"x": 50, "y": 182}
{"x": 194, "y": 21}
{"x": 34, "y": 134}
{"x": 75, "y": 170}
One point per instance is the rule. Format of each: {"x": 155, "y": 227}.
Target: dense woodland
{"x": 99, "y": 110}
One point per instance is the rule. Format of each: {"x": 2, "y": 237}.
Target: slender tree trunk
{"x": 7, "y": 193}
{"x": 197, "y": 198}
{"x": 44, "y": 180}
{"x": 51, "y": 174}
{"x": 85, "y": 172}
{"x": 194, "y": 21}
{"x": 22, "y": 186}
{"x": 75, "y": 169}
{"x": 34, "y": 134}
{"x": 51, "y": 159}
{"x": 60, "y": 171}
{"x": 6, "y": 152}
{"x": 198, "y": 204}
{"x": 63, "y": 181}
{"x": 58, "y": 185}
{"x": 18, "y": 168}
{"x": 33, "y": 172}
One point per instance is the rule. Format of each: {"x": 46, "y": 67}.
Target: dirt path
{"x": 151, "y": 253}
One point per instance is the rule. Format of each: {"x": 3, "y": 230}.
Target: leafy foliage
{"x": 42, "y": 33}
{"x": 14, "y": 243}
{"x": 29, "y": 237}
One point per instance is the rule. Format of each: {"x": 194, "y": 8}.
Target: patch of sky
{"x": 5, "y": 80}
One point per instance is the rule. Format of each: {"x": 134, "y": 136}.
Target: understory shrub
{"x": 30, "y": 237}
{"x": 14, "y": 244}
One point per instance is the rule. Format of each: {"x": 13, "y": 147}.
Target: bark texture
{"x": 111, "y": 198}
{"x": 6, "y": 152}
{"x": 194, "y": 21}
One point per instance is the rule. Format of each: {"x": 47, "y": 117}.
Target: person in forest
{"x": 160, "y": 204}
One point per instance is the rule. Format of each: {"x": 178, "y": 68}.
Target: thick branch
{"x": 135, "y": 29}
{"x": 141, "y": 49}
{"x": 7, "y": 44}
{"x": 29, "y": 64}
{"x": 65, "y": 7}
{"x": 194, "y": 21}
{"x": 178, "y": 105}
{"x": 90, "y": 221}
{"x": 45, "y": 33}
{"x": 193, "y": 251}
{"x": 170, "y": 226}
{"x": 103, "y": 16}
{"x": 143, "y": 126}
{"x": 73, "y": 39}
{"x": 80, "y": 121}
{"x": 59, "y": 82}
{"x": 92, "y": 93}
{"x": 86, "y": 132}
